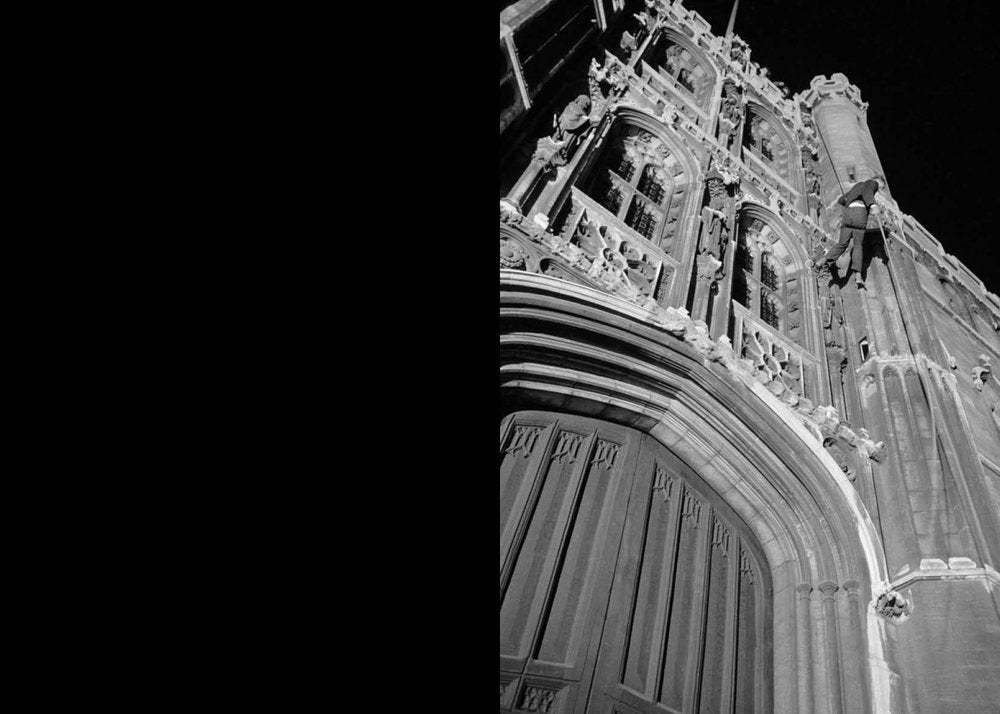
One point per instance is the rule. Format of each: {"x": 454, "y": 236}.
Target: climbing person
{"x": 857, "y": 204}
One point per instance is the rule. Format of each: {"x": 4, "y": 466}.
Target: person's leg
{"x": 857, "y": 253}
{"x": 837, "y": 250}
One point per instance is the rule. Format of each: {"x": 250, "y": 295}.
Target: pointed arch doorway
{"x": 626, "y": 583}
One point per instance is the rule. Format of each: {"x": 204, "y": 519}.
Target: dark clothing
{"x": 853, "y": 223}
{"x": 847, "y": 234}
{"x": 864, "y": 191}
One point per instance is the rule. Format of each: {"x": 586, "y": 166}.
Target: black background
{"x": 928, "y": 71}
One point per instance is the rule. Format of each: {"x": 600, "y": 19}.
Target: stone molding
{"x": 960, "y": 568}
{"x": 822, "y": 422}
{"x": 813, "y": 526}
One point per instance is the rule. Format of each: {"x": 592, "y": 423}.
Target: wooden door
{"x": 624, "y": 585}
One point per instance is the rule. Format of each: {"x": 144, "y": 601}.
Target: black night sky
{"x": 929, "y": 71}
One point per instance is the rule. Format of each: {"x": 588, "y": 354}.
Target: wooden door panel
{"x": 525, "y": 445}
{"x": 536, "y": 556}
{"x": 561, "y": 562}
{"x": 622, "y": 587}
{"x": 670, "y": 641}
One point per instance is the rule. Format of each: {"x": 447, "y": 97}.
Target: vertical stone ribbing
{"x": 803, "y": 635}
{"x": 856, "y": 680}
{"x": 832, "y": 645}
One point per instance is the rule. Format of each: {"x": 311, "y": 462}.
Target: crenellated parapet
{"x": 836, "y": 86}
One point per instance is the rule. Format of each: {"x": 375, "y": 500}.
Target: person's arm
{"x": 868, "y": 196}
{"x": 852, "y": 195}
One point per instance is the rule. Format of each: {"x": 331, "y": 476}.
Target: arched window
{"x": 672, "y": 59}
{"x": 638, "y": 179}
{"x": 767, "y": 322}
{"x": 760, "y": 285}
{"x": 762, "y": 282}
{"x": 764, "y": 142}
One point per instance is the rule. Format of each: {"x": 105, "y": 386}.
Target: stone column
{"x": 803, "y": 641}
{"x": 832, "y": 645}
{"x": 857, "y": 691}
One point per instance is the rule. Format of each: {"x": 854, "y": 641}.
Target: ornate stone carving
{"x": 672, "y": 59}
{"x": 574, "y": 120}
{"x": 605, "y": 454}
{"x": 510, "y": 212}
{"x": 645, "y": 148}
{"x": 714, "y": 218}
{"x": 841, "y": 452}
{"x": 568, "y": 131}
{"x": 605, "y": 82}
{"x": 709, "y": 268}
{"x": 739, "y": 52}
{"x": 629, "y": 43}
{"x": 512, "y": 256}
{"x": 691, "y": 508}
{"x": 746, "y": 567}
{"x": 589, "y": 235}
{"x": 893, "y": 606}
{"x": 981, "y": 372}
{"x": 720, "y": 538}
{"x": 730, "y": 113}
{"x": 664, "y": 483}
{"x": 825, "y": 423}
{"x": 567, "y": 447}
{"x": 523, "y": 439}
{"x": 536, "y": 699}
{"x": 820, "y": 421}
{"x": 774, "y": 366}
{"x": 639, "y": 270}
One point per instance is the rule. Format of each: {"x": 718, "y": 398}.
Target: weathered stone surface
{"x": 642, "y": 277}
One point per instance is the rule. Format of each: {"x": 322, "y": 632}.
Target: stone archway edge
{"x": 808, "y": 615}
{"x": 820, "y": 421}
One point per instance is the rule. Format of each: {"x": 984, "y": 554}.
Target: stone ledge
{"x": 959, "y": 568}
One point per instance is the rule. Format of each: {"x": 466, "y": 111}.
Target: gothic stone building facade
{"x": 728, "y": 481}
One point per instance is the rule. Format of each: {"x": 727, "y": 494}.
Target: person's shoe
{"x": 860, "y": 283}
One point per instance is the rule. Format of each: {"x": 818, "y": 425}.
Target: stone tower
{"x": 838, "y": 112}
{"x": 729, "y": 480}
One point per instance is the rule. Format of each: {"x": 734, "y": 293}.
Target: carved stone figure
{"x": 556, "y": 150}
{"x": 715, "y": 231}
{"x": 730, "y": 113}
{"x": 639, "y": 270}
{"x": 686, "y": 79}
{"x": 981, "y": 372}
{"x": 892, "y": 605}
{"x": 841, "y": 453}
{"x": 708, "y": 267}
{"x": 575, "y": 119}
{"x": 759, "y": 138}
{"x": 629, "y": 42}
{"x": 672, "y": 60}
{"x": 732, "y": 103}
{"x": 738, "y": 51}
{"x": 604, "y": 82}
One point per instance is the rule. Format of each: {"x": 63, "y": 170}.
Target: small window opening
{"x": 863, "y": 344}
